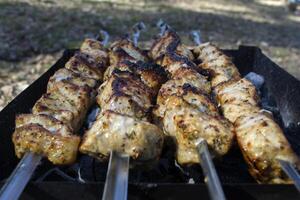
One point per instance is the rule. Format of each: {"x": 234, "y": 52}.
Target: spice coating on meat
{"x": 140, "y": 140}
{"x": 237, "y": 98}
{"x": 262, "y": 142}
{"x": 184, "y": 109}
{"x": 59, "y": 113}
{"x": 186, "y": 124}
{"x": 216, "y": 63}
{"x": 151, "y": 74}
{"x": 125, "y": 99}
{"x": 169, "y": 42}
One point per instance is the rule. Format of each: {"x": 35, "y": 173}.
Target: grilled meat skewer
{"x": 261, "y": 140}
{"x": 58, "y": 114}
{"x": 125, "y": 99}
{"x": 184, "y": 106}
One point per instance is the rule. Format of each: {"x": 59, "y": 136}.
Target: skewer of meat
{"x": 261, "y": 140}
{"x": 123, "y": 128}
{"x": 186, "y": 111}
{"x": 50, "y": 130}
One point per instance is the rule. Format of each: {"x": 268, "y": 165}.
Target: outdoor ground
{"x": 34, "y": 33}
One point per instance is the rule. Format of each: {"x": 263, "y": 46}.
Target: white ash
{"x": 191, "y": 181}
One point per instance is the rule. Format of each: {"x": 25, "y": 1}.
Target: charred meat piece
{"x": 124, "y": 49}
{"x": 141, "y": 140}
{"x": 151, "y": 74}
{"x": 189, "y": 93}
{"x": 45, "y": 135}
{"x": 95, "y": 52}
{"x": 125, "y": 84}
{"x": 220, "y": 66}
{"x": 169, "y": 43}
{"x": 262, "y": 142}
{"x": 66, "y": 102}
{"x": 237, "y": 98}
{"x": 80, "y": 64}
{"x": 187, "y": 124}
{"x": 65, "y": 75}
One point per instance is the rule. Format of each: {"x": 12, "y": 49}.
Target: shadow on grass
{"x": 27, "y": 30}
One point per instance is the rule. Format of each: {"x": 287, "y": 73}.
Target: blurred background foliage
{"x": 33, "y": 33}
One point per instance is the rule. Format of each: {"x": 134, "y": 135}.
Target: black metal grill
{"x": 163, "y": 180}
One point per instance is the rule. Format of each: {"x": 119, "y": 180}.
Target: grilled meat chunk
{"x": 45, "y": 135}
{"x": 187, "y": 124}
{"x": 262, "y": 142}
{"x": 60, "y": 112}
{"x": 169, "y": 42}
{"x": 237, "y": 98}
{"x": 80, "y": 64}
{"x": 220, "y": 66}
{"x": 124, "y": 49}
{"x": 95, "y": 52}
{"x": 65, "y": 75}
{"x": 151, "y": 74}
{"x": 141, "y": 140}
{"x": 189, "y": 93}
{"x": 125, "y": 84}
{"x": 65, "y": 102}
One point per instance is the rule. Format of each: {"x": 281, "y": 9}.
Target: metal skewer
{"x": 21, "y": 175}
{"x": 116, "y": 183}
{"x": 137, "y": 28}
{"x": 19, "y": 178}
{"x": 257, "y": 80}
{"x": 290, "y": 170}
{"x": 211, "y": 177}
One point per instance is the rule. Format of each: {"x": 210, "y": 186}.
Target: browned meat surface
{"x": 124, "y": 49}
{"x": 187, "y": 124}
{"x": 237, "y": 98}
{"x": 45, "y": 135}
{"x": 139, "y": 139}
{"x": 220, "y": 66}
{"x": 184, "y": 109}
{"x": 262, "y": 142}
{"x": 169, "y": 42}
{"x": 123, "y": 83}
{"x": 125, "y": 99}
{"x": 59, "y": 113}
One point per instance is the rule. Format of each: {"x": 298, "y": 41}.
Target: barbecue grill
{"x": 85, "y": 179}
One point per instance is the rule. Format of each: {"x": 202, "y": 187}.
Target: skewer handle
{"x": 290, "y": 170}
{"x": 19, "y": 178}
{"x": 116, "y": 184}
{"x": 211, "y": 177}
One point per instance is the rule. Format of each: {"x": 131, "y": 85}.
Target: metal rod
{"x": 103, "y": 36}
{"x": 196, "y": 36}
{"x": 211, "y": 177}
{"x": 116, "y": 184}
{"x": 290, "y": 170}
{"x": 163, "y": 27}
{"x": 19, "y": 178}
{"x": 137, "y": 28}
